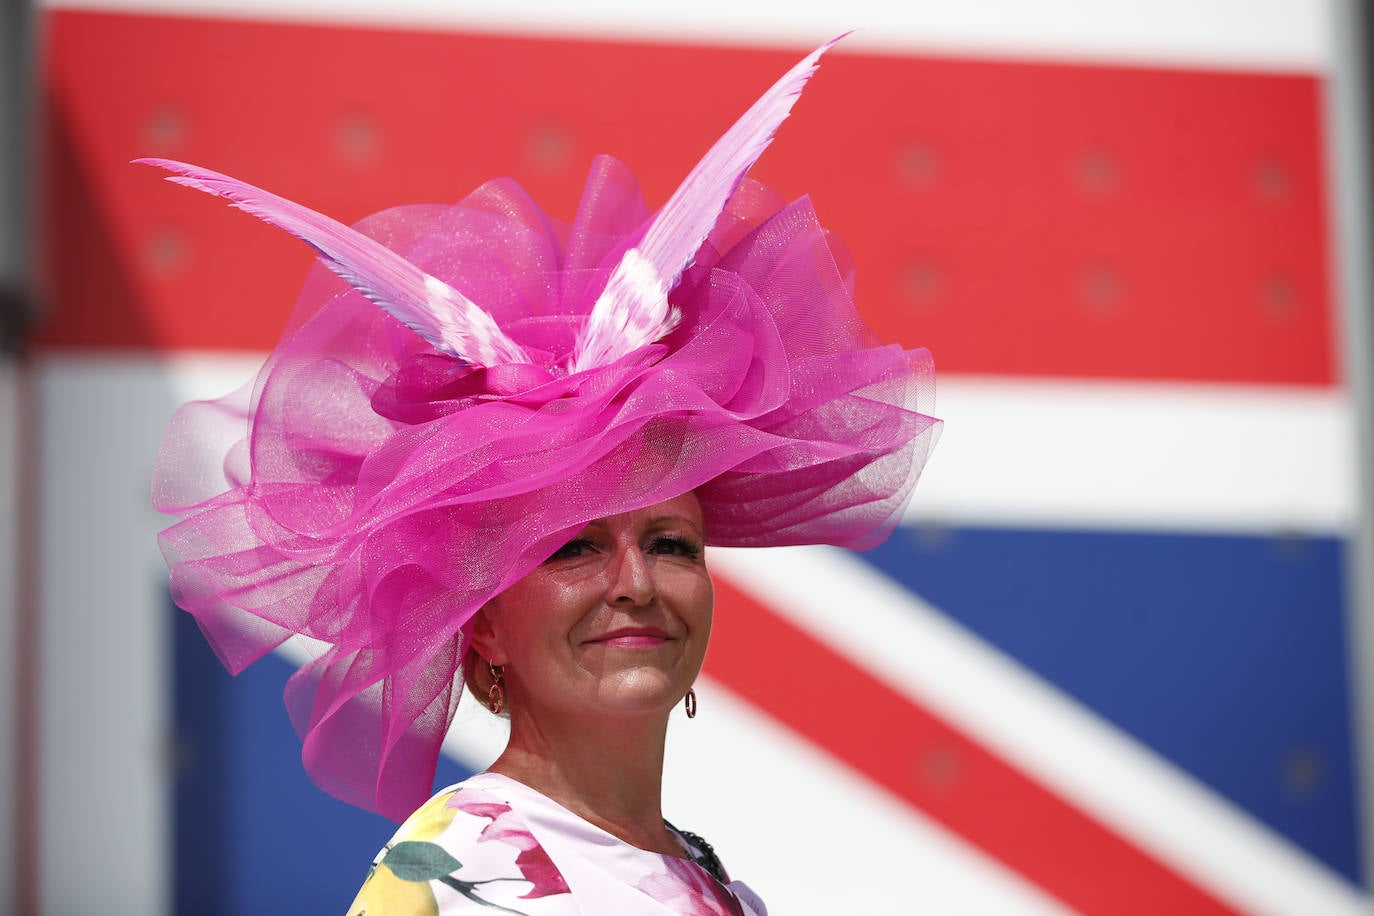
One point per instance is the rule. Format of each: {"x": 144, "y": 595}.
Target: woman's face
{"x": 617, "y": 619}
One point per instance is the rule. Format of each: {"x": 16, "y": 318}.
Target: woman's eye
{"x": 675, "y": 545}
{"x": 575, "y": 548}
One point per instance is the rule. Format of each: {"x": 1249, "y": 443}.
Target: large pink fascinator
{"x": 483, "y": 381}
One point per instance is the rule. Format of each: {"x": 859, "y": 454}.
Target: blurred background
{"x": 1113, "y": 661}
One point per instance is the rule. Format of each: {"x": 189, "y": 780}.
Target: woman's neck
{"x": 608, "y": 773}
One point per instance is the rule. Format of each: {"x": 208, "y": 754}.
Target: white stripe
{"x": 1251, "y": 34}
{"x": 813, "y": 837}
{"x": 1043, "y": 732}
{"x": 1164, "y": 456}
{"x": 199, "y": 375}
{"x": 1092, "y": 454}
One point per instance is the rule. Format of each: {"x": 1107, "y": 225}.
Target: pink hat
{"x": 391, "y": 469}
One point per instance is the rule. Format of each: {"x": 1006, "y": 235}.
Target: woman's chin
{"x": 639, "y": 690}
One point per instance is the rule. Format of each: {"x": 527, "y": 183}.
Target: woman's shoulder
{"x": 465, "y": 850}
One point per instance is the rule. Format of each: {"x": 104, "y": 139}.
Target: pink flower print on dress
{"x": 506, "y": 827}
{"x": 690, "y": 890}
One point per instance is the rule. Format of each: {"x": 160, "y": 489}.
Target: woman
{"x": 495, "y": 453}
{"x": 591, "y": 651}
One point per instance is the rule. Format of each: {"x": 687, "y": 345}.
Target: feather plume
{"x": 633, "y": 309}
{"x": 446, "y": 319}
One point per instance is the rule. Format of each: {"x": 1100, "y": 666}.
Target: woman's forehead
{"x": 685, "y": 507}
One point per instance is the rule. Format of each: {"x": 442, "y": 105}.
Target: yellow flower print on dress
{"x": 398, "y": 884}
{"x": 401, "y": 882}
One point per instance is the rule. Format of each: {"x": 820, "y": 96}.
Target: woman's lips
{"x": 636, "y": 638}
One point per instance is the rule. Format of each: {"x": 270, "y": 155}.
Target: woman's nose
{"x": 631, "y": 579}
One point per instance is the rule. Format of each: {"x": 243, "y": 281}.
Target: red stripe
{"x": 929, "y": 764}
{"x": 1017, "y": 218}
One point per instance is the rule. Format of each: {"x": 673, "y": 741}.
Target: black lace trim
{"x": 702, "y": 853}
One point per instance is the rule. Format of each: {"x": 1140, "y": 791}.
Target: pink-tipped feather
{"x": 633, "y": 309}
{"x": 446, "y": 319}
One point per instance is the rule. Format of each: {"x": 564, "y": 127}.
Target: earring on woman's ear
{"x": 496, "y": 694}
{"x": 690, "y": 702}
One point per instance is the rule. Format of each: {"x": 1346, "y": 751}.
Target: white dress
{"x": 492, "y": 845}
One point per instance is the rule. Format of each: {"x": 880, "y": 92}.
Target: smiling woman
{"x": 593, "y": 647}
{"x": 493, "y": 449}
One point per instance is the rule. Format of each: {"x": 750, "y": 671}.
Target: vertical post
{"x": 1351, "y": 92}
{"x": 17, "y": 619}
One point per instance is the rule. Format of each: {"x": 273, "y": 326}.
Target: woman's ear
{"x": 484, "y": 637}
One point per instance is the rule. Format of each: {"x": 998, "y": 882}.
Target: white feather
{"x": 633, "y": 309}
{"x": 446, "y": 319}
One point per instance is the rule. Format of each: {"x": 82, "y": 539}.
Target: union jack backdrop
{"x": 1103, "y": 666}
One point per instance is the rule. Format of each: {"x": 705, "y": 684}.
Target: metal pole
{"x": 1351, "y": 91}
{"x": 18, "y": 618}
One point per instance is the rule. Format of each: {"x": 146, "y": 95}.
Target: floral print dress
{"x": 492, "y": 845}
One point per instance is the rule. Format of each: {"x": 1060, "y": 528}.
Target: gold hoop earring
{"x": 496, "y": 694}
{"x": 690, "y": 702}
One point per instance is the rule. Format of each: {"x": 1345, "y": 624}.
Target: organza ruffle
{"x": 371, "y": 494}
